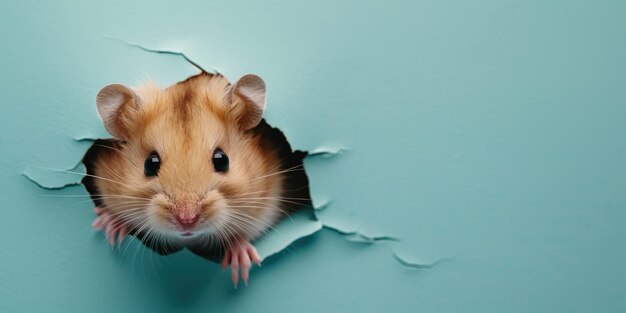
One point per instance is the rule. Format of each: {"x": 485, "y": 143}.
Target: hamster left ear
{"x": 115, "y": 102}
{"x": 247, "y": 97}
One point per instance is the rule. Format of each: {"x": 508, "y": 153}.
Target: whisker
{"x": 252, "y": 218}
{"x": 291, "y": 169}
{"x": 118, "y": 150}
{"x": 84, "y": 174}
{"x": 237, "y": 221}
{"x": 277, "y": 199}
{"x": 133, "y": 201}
{"x": 274, "y": 209}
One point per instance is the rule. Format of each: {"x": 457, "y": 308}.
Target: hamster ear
{"x": 111, "y": 103}
{"x": 247, "y": 98}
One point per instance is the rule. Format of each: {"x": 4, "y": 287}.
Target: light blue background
{"x": 488, "y": 133}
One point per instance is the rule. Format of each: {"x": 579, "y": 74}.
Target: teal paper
{"x": 489, "y": 136}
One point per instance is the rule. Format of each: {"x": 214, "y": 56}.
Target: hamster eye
{"x": 220, "y": 161}
{"x": 152, "y": 165}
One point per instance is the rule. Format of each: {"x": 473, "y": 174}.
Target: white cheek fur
{"x": 156, "y": 224}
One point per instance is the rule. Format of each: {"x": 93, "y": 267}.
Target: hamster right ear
{"x": 112, "y": 101}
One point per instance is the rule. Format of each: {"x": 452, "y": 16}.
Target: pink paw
{"x": 112, "y": 227}
{"x": 240, "y": 255}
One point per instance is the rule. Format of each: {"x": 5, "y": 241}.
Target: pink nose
{"x": 186, "y": 212}
{"x": 187, "y": 219}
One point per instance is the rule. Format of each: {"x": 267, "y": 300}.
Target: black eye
{"x": 220, "y": 161}
{"x": 152, "y": 165}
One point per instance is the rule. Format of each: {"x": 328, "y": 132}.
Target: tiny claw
{"x": 111, "y": 237}
{"x": 121, "y": 235}
{"x": 254, "y": 255}
{"x": 98, "y": 210}
{"x": 244, "y": 260}
{"x": 97, "y": 223}
{"x": 235, "y": 278}
{"x": 240, "y": 256}
{"x": 113, "y": 228}
{"x": 234, "y": 268}
{"x": 225, "y": 260}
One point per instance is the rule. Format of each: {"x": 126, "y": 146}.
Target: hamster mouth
{"x": 186, "y": 231}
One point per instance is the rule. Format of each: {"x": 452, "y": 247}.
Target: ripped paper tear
{"x": 55, "y": 179}
{"x": 329, "y": 150}
{"x": 417, "y": 265}
{"x": 163, "y": 51}
{"x": 357, "y": 236}
{"x": 298, "y": 225}
{"x": 86, "y": 138}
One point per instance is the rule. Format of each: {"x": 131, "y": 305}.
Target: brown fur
{"x": 184, "y": 124}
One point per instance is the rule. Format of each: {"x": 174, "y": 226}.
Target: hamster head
{"x": 188, "y": 162}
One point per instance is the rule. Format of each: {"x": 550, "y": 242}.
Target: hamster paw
{"x": 111, "y": 226}
{"x": 240, "y": 255}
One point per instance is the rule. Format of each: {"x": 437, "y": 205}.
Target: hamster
{"x": 193, "y": 166}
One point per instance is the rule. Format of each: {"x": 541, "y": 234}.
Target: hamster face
{"x": 188, "y": 164}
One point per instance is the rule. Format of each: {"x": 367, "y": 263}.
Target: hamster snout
{"x": 187, "y": 215}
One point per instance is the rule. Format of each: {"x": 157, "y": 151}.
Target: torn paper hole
{"x": 298, "y": 225}
{"x": 300, "y": 221}
{"x": 301, "y": 224}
